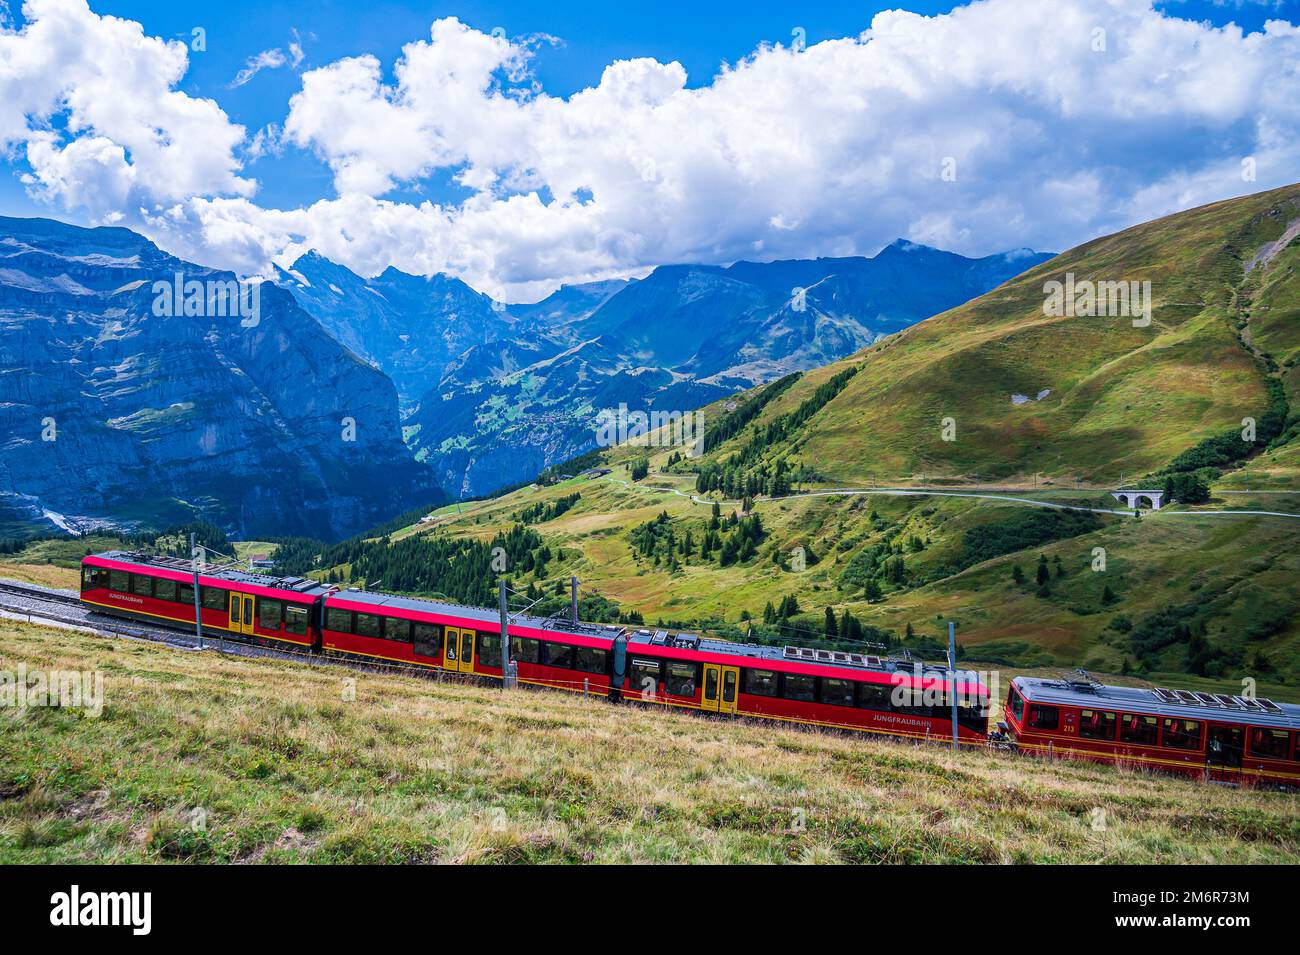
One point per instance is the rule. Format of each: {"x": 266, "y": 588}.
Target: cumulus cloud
{"x": 91, "y": 103}
{"x": 1000, "y": 125}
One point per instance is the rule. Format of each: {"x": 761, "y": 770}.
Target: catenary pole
{"x": 952, "y": 668}
{"x": 198, "y": 616}
{"x": 506, "y": 676}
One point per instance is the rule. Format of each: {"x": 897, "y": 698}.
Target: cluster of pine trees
{"x": 730, "y": 540}
{"x": 1187, "y": 487}
{"x": 745, "y": 472}
{"x": 735, "y": 480}
{"x": 541, "y": 512}
{"x": 734, "y": 423}
{"x": 873, "y": 566}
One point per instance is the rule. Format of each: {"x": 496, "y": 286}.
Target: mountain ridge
{"x": 530, "y": 378}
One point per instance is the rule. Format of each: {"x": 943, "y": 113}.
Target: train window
{"x": 760, "y": 682}
{"x": 874, "y": 696}
{"x": 269, "y": 613}
{"x": 837, "y": 692}
{"x": 911, "y": 700}
{"x": 215, "y": 599}
{"x": 1269, "y": 744}
{"x": 295, "y": 620}
{"x": 489, "y": 649}
{"x": 591, "y": 660}
{"x": 367, "y": 625}
{"x": 1096, "y": 724}
{"x": 1017, "y": 703}
{"x": 1044, "y": 717}
{"x": 973, "y": 716}
{"x": 340, "y": 620}
{"x": 164, "y": 589}
{"x": 525, "y": 649}
{"x": 185, "y": 594}
{"x": 120, "y": 581}
{"x": 142, "y": 585}
{"x": 645, "y": 675}
{"x": 799, "y": 687}
{"x": 94, "y": 577}
{"x": 397, "y": 630}
{"x": 1182, "y": 734}
{"x": 428, "y": 639}
{"x": 558, "y": 655}
{"x": 1134, "y": 728}
{"x": 682, "y": 678}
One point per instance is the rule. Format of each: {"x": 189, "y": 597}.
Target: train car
{"x": 795, "y": 685}
{"x": 1213, "y": 736}
{"x": 273, "y": 611}
{"x": 830, "y": 689}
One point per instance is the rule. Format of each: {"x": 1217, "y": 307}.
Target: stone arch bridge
{"x": 1139, "y": 498}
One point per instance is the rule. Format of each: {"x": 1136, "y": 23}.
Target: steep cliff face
{"x": 408, "y": 326}
{"x": 122, "y": 403}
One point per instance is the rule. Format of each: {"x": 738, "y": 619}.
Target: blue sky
{"x": 256, "y": 208}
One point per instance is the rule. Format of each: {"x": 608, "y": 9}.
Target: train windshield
{"x": 1016, "y": 702}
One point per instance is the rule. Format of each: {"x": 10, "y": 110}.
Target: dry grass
{"x": 285, "y": 768}
{"x": 44, "y": 575}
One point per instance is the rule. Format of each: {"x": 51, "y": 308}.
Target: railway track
{"x": 34, "y": 592}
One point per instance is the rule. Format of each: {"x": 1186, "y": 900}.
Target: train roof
{"x": 1181, "y": 704}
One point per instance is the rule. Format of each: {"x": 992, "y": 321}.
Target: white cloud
{"x": 270, "y": 60}
{"x": 91, "y": 102}
{"x": 1056, "y": 132}
{"x": 266, "y": 60}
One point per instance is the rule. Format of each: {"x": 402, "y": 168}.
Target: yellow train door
{"x": 730, "y": 689}
{"x": 451, "y": 648}
{"x": 467, "y": 651}
{"x": 721, "y": 688}
{"x": 241, "y": 613}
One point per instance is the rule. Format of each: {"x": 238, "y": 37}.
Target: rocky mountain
{"x": 679, "y": 338}
{"x": 128, "y": 399}
{"x": 408, "y": 326}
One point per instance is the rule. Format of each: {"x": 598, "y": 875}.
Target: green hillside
{"x": 1120, "y": 399}
{"x": 1194, "y": 596}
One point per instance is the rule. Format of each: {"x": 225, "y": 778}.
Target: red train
{"x": 1214, "y": 736}
{"x": 814, "y": 687}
